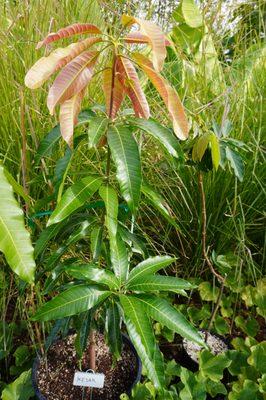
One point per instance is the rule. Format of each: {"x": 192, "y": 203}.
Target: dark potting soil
{"x": 55, "y": 375}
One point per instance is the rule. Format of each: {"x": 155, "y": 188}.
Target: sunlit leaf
{"x": 73, "y": 78}
{"x": 73, "y": 301}
{"x": 71, "y": 30}
{"x": 163, "y": 312}
{"x": 168, "y": 94}
{"x": 148, "y": 283}
{"x": 57, "y": 59}
{"x": 130, "y": 81}
{"x": 156, "y": 38}
{"x": 125, "y": 154}
{"x": 139, "y": 38}
{"x": 109, "y": 196}
{"x": 68, "y": 117}
{"x": 148, "y": 267}
{"x": 74, "y": 197}
{"x": 15, "y": 240}
{"x": 94, "y": 274}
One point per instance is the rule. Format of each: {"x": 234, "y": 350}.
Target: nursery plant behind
{"x": 132, "y": 217}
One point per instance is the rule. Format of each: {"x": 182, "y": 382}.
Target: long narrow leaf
{"x": 73, "y": 78}
{"x": 74, "y": 197}
{"x": 71, "y": 30}
{"x": 168, "y": 94}
{"x": 130, "y": 81}
{"x": 109, "y": 196}
{"x": 141, "y": 333}
{"x": 93, "y": 273}
{"x": 126, "y": 157}
{"x": 148, "y": 283}
{"x": 97, "y": 129}
{"x": 149, "y": 266}
{"x": 163, "y": 312}
{"x": 14, "y": 238}
{"x": 114, "y": 338}
{"x": 71, "y": 302}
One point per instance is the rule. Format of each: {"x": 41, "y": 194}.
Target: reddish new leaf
{"x": 74, "y": 77}
{"x": 71, "y": 30}
{"x": 129, "y": 79}
{"x": 155, "y": 35}
{"x": 139, "y": 38}
{"x": 46, "y": 66}
{"x": 168, "y": 94}
{"x": 113, "y": 91}
{"x": 68, "y": 116}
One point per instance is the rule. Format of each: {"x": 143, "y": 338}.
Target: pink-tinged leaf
{"x": 128, "y": 77}
{"x": 68, "y": 116}
{"x": 73, "y": 78}
{"x": 155, "y": 35}
{"x": 46, "y": 66}
{"x": 113, "y": 91}
{"x": 139, "y": 38}
{"x": 168, "y": 94}
{"x": 71, "y": 30}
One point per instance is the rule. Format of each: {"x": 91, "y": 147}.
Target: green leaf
{"x": 200, "y": 146}
{"x": 74, "y": 197}
{"x": 258, "y": 357}
{"x": 159, "y": 203}
{"x": 215, "y": 388}
{"x": 149, "y": 266}
{"x": 22, "y": 355}
{"x": 193, "y": 389}
{"x": 140, "y": 331}
{"x": 148, "y": 283}
{"x": 46, "y": 235}
{"x": 93, "y": 273}
{"x": 133, "y": 240}
{"x": 246, "y": 392}
{"x": 250, "y": 326}
{"x": 81, "y": 340}
{"x": 85, "y": 116}
{"x": 114, "y": 338}
{"x": 61, "y": 169}
{"x": 119, "y": 258}
{"x": 96, "y": 241}
{"x": 14, "y": 238}
{"x": 97, "y": 128}
{"x": 212, "y": 366}
{"x": 125, "y": 154}
{"x": 163, "y": 312}
{"x": 20, "y": 389}
{"x": 221, "y": 325}
{"x": 109, "y": 196}
{"x": 73, "y": 301}
{"x": 215, "y": 150}
{"x": 238, "y": 360}
{"x": 17, "y": 187}
{"x": 191, "y": 13}
{"x": 207, "y": 291}
{"x": 159, "y": 132}
{"x": 236, "y": 163}
{"x": 48, "y": 144}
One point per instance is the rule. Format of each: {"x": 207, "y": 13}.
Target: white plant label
{"x": 88, "y": 379}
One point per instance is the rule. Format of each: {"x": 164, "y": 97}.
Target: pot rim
{"x": 125, "y": 339}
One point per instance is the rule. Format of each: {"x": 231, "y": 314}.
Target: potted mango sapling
{"x": 112, "y": 291}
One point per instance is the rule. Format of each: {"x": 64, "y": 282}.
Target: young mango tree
{"x": 112, "y": 286}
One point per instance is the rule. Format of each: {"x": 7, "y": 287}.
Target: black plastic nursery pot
{"x": 41, "y": 393}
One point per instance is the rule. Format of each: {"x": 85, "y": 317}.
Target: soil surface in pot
{"x": 55, "y": 374}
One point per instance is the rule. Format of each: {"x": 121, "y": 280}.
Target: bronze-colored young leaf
{"x": 139, "y": 38}
{"x": 68, "y": 116}
{"x": 72, "y": 79}
{"x": 113, "y": 91}
{"x": 129, "y": 79}
{"x": 155, "y": 35}
{"x": 71, "y": 30}
{"x": 57, "y": 59}
{"x": 168, "y": 94}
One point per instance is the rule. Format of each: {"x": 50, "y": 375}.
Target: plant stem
{"x": 24, "y": 146}
{"x": 92, "y": 356}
